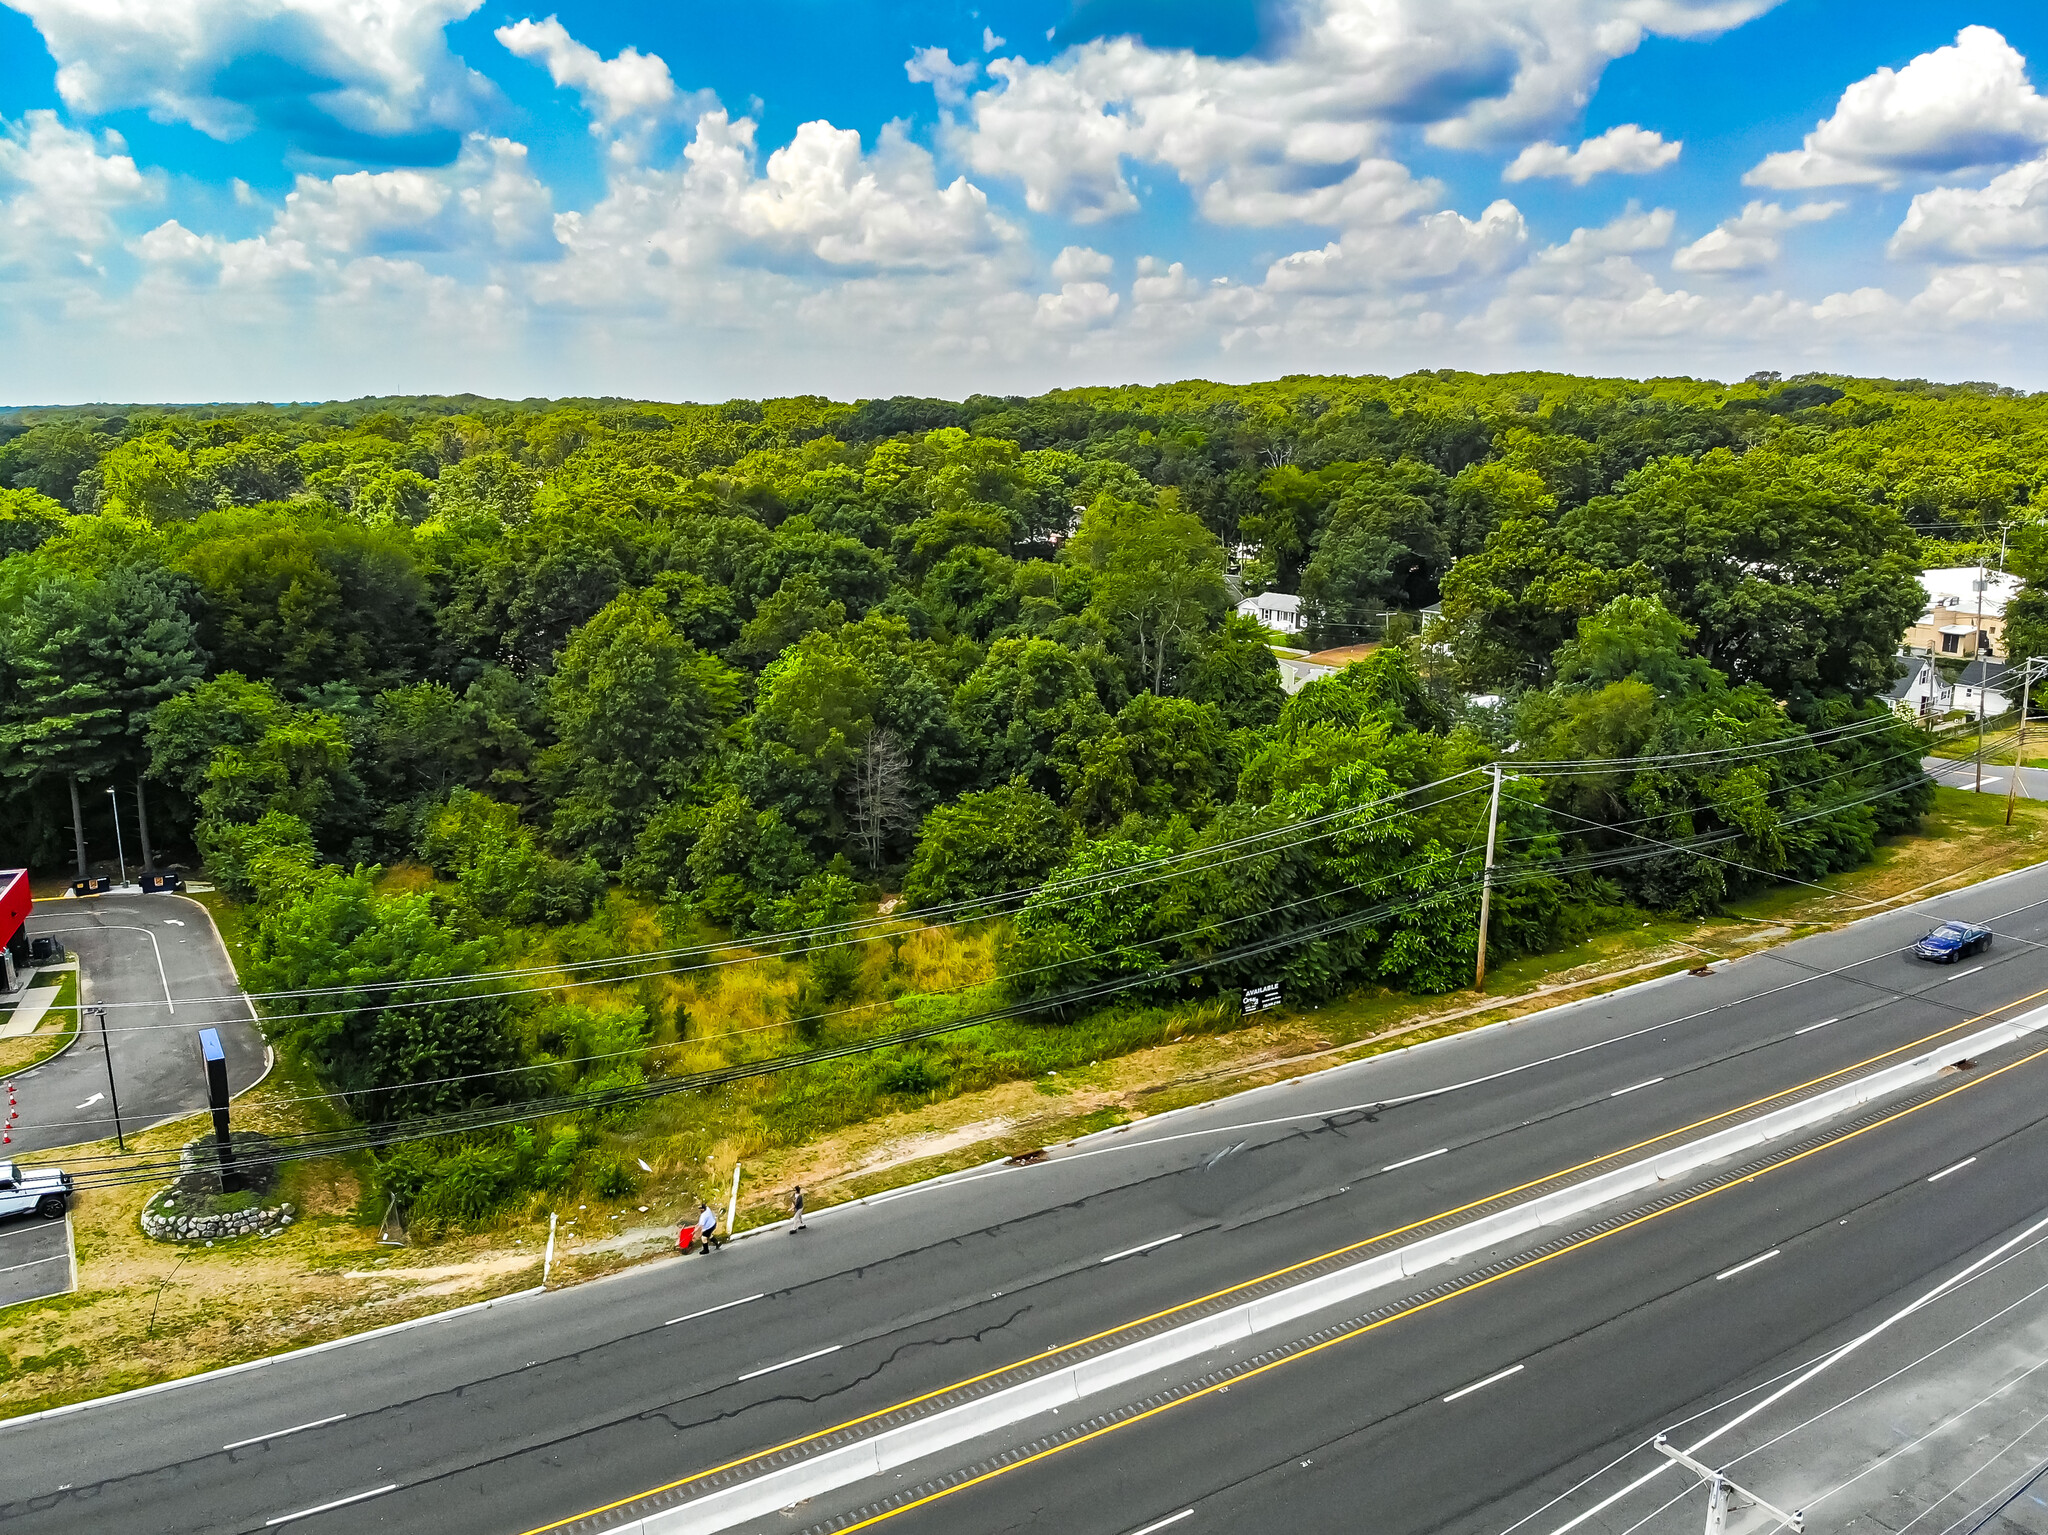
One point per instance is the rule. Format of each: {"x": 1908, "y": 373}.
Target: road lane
{"x": 567, "y": 1400}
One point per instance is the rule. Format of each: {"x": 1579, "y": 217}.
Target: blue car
{"x": 1952, "y": 940}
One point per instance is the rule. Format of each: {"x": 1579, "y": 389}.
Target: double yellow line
{"x": 1339, "y": 1252}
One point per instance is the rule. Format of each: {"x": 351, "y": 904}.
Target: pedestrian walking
{"x": 707, "y": 1228}
{"x": 796, "y": 1205}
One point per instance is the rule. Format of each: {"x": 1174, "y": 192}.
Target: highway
{"x": 1557, "y": 1353}
{"x": 136, "y": 954}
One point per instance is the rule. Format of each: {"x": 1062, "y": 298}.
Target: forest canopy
{"x": 762, "y": 661}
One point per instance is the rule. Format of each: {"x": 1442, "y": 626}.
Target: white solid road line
{"x": 307, "y": 1513}
{"x": 1132, "y": 1252}
{"x": 1966, "y": 1161}
{"x": 1186, "y": 1513}
{"x": 263, "y": 1438}
{"x": 1961, "y": 973}
{"x": 16, "y": 1268}
{"x": 1812, "y": 1026}
{"x": 800, "y": 1359}
{"x": 1752, "y": 1263}
{"x": 1480, "y": 1385}
{"x": 1394, "y": 1167}
{"x": 1638, "y": 1086}
{"x": 743, "y": 1300}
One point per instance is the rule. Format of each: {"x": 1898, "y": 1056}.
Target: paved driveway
{"x": 152, "y": 960}
{"x": 35, "y": 1258}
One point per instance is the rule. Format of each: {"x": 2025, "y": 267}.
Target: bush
{"x": 611, "y": 1178}
{"x": 258, "y": 862}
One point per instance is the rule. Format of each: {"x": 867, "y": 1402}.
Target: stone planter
{"x": 173, "y": 1214}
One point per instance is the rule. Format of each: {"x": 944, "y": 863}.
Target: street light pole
{"x": 1718, "y": 1489}
{"x": 120, "y": 852}
{"x": 1977, "y": 653}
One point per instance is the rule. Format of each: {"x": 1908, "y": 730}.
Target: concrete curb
{"x": 885, "y": 1451}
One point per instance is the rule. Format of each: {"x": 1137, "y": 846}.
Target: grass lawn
{"x": 58, "y": 1028}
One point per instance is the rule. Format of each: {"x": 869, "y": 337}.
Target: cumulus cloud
{"x": 2004, "y": 219}
{"x": 1265, "y": 140}
{"x": 1750, "y": 242}
{"x": 1078, "y": 263}
{"x": 1437, "y": 248}
{"x": 633, "y": 84}
{"x": 1077, "y": 306}
{"x": 348, "y": 79}
{"x": 820, "y": 203}
{"x": 60, "y": 189}
{"x": 935, "y": 67}
{"x": 1630, "y": 234}
{"x": 1626, "y": 149}
{"x": 1965, "y": 105}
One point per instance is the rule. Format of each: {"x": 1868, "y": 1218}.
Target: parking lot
{"x": 35, "y": 1258}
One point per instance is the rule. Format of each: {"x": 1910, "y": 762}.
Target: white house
{"x": 1923, "y": 691}
{"x": 1276, "y": 610}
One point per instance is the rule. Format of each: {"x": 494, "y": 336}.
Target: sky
{"x": 320, "y": 199}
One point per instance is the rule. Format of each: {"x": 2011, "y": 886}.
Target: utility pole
{"x": 113, "y": 1098}
{"x": 1486, "y": 885}
{"x": 1718, "y": 1489}
{"x": 1977, "y": 653}
{"x": 2019, "y": 751}
{"x": 732, "y": 1205}
{"x": 120, "y": 852}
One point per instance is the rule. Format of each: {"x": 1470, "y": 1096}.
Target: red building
{"x": 14, "y": 909}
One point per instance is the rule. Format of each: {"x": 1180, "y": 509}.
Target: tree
{"x": 999, "y": 840}
{"x": 1158, "y": 581}
{"x": 1235, "y": 669}
{"x": 881, "y": 795}
{"x": 637, "y": 711}
{"x": 1024, "y": 709}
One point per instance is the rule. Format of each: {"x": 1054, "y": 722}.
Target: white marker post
{"x": 732, "y": 1205}
{"x": 547, "y": 1262}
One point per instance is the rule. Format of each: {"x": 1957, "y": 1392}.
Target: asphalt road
{"x": 544, "y": 1407}
{"x": 138, "y": 955}
{"x": 1962, "y": 774}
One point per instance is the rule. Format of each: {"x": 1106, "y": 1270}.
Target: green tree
{"x": 637, "y": 712}
{"x": 1023, "y": 711}
{"x": 989, "y": 843}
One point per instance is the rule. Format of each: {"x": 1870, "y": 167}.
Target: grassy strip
{"x": 58, "y": 1028}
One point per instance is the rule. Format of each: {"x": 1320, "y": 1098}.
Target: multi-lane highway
{"x": 1481, "y": 1395}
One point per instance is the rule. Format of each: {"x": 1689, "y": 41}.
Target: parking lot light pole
{"x": 120, "y": 852}
{"x": 113, "y": 1097}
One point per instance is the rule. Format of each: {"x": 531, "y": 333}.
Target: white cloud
{"x": 341, "y": 78}
{"x": 1077, "y": 306}
{"x": 989, "y": 41}
{"x": 633, "y": 84}
{"x": 1437, "y": 248}
{"x": 1078, "y": 263}
{"x": 60, "y": 189}
{"x": 935, "y": 67}
{"x": 1626, "y": 149}
{"x": 820, "y": 203}
{"x": 1267, "y": 139}
{"x": 2007, "y": 218}
{"x": 1750, "y": 241}
{"x": 1965, "y": 105}
{"x": 1629, "y": 234}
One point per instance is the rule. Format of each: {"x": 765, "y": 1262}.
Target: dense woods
{"x": 760, "y": 665}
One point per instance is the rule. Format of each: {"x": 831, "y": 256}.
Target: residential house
{"x": 1924, "y": 693}
{"x": 1276, "y": 610}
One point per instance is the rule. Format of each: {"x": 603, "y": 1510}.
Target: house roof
{"x": 1954, "y": 587}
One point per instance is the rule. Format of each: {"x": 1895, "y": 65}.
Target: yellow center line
{"x": 1420, "y": 1306}
{"x": 1294, "y": 1268}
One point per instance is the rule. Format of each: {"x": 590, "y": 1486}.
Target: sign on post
{"x": 217, "y": 1100}
{"x": 1260, "y": 999}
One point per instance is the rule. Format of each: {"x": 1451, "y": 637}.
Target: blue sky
{"x": 235, "y": 199}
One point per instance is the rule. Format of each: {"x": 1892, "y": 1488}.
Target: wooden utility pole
{"x": 1977, "y": 653}
{"x": 1486, "y": 886}
{"x": 2019, "y": 751}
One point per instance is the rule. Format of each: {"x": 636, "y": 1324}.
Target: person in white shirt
{"x": 707, "y": 1229}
